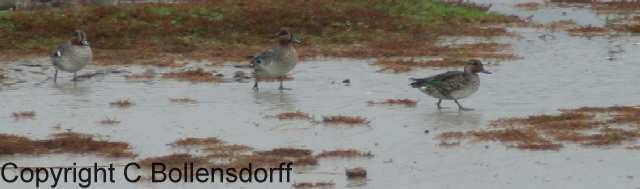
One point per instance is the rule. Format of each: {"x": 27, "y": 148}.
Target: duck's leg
{"x": 281, "y": 86}
{"x": 255, "y": 84}
{"x": 55, "y": 75}
{"x": 460, "y": 107}
{"x": 438, "y": 104}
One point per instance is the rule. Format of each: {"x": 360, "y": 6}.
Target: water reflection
{"x": 451, "y": 118}
{"x": 276, "y": 100}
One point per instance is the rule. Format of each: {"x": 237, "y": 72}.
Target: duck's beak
{"x": 485, "y": 72}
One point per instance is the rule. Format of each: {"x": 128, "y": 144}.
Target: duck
{"x": 452, "y": 85}
{"x": 73, "y": 55}
{"x": 276, "y": 62}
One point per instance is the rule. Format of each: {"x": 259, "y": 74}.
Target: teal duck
{"x": 452, "y": 85}
{"x": 73, "y": 55}
{"x": 277, "y": 61}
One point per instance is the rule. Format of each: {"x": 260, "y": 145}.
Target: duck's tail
{"x": 416, "y": 82}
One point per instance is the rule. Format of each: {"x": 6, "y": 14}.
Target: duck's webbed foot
{"x": 282, "y": 88}
{"x": 462, "y": 108}
{"x": 255, "y": 86}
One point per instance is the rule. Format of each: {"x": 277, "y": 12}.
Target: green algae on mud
{"x": 228, "y": 29}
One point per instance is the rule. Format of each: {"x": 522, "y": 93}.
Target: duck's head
{"x": 286, "y": 37}
{"x": 79, "y": 38}
{"x": 474, "y": 66}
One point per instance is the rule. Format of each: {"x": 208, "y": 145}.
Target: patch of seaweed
{"x": 125, "y": 103}
{"x": 297, "y": 115}
{"x": 109, "y": 121}
{"x": 198, "y": 75}
{"x": 585, "y": 126}
{"x": 344, "y": 153}
{"x": 23, "y": 115}
{"x": 183, "y": 100}
{"x": 68, "y": 142}
{"x": 348, "y": 120}
{"x": 406, "y": 102}
{"x": 307, "y": 185}
{"x": 589, "y": 30}
{"x": 528, "y": 6}
{"x": 356, "y": 173}
{"x": 186, "y": 142}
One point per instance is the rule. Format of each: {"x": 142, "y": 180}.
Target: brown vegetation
{"x": 23, "y": 115}
{"x": 405, "y": 102}
{"x": 196, "y": 142}
{"x": 174, "y": 160}
{"x": 126, "y": 103}
{"x": 588, "y": 31}
{"x": 216, "y": 152}
{"x": 198, "y": 75}
{"x": 68, "y": 142}
{"x": 586, "y": 126}
{"x": 153, "y": 34}
{"x": 293, "y": 116}
{"x": 344, "y": 153}
{"x": 349, "y": 120}
{"x": 602, "y": 6}
{"x": 143, "y": 76}
{"x": 450, "y": 56}
{"x": 528, "y": 6}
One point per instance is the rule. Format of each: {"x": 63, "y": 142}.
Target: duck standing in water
{"x": 277, "y": 61}
{"x": 72, "y": 56}
{"x": 452, "y": 85}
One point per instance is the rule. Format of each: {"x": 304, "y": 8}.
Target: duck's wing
{"x": 448, "y": 81}
{"x": 263, "y": 58}
{"x": 60, "y": 50}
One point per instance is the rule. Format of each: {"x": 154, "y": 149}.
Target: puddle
{"x": 562, "y": 72}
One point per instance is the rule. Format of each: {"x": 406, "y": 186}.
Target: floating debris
{"x": 109, "y": 121}
{"x": 23, "y": 115}
{"x": 344, "y": 153}
{"x": 183, "y": 100}
{"x": 356, "y": 173}
{"x": 126, "y": 103}
{"x": 405, "y": 102}
{"x": 306, "y": 185}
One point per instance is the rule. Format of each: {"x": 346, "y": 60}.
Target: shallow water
{"x": 555, "y": 73}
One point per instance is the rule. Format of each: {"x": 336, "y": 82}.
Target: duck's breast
{"x": 78, "y": 58}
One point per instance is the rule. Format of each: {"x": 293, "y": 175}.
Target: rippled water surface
{"x": 554, "y": 73}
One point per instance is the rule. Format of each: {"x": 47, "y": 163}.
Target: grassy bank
{"x": 228, "y": 29}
